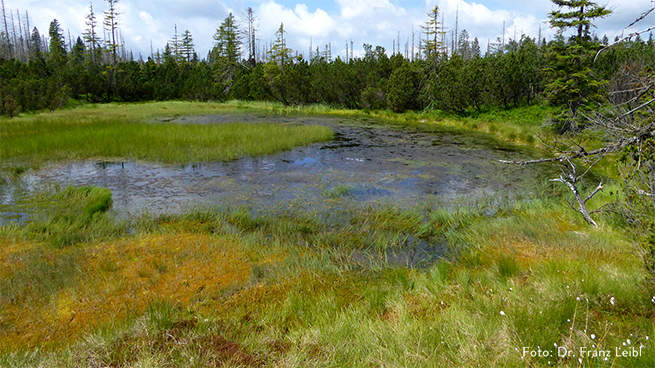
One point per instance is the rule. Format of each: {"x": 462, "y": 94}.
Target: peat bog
{"x": 390, "y": 243}
{"x": 366, "y": 162}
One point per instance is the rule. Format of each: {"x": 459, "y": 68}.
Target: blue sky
{"x": 337, "y": 21}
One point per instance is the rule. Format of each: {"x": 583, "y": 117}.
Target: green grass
{"x": 124, "y": 133}
{"x": 307, "y": 302}
{"x": 521, "y": 126}
{"x": 339, "y": 191}
{"x": 518, "y": 126}
{"x": 63, "y": 217}
{"x": 298, "y": 298}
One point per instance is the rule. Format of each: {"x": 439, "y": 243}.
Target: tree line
{"x": 47, "y": 71}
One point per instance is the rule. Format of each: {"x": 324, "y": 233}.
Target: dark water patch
{"x": 245, "y": 117}
{"x": 412, "y": 253}
{"x": 14, "y": 208}
{"x": 365, "y": 163}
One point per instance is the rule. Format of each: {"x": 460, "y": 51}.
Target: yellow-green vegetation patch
{"x": 530, "y": 284}
{"x": 232, "y": 288}
{"x": 64, "y": 216}
{"x": 124, "y": 132}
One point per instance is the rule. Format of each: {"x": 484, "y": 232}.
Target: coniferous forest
{"x": 42, "y": 71}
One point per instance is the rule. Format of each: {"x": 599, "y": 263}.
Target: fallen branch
{"x": 626, "y": 38}
{"x": 554, "y": 159}
{"x": 582, "y": 153}
{"x": 582, "y": 203}
{"x": 641, "y": 17}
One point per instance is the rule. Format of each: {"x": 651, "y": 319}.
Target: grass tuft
{"x": 63, "y": 217}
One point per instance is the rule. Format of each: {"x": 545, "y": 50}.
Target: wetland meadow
{"x": 237, "y": 234}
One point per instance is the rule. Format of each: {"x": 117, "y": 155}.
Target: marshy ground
{"x": 362, "y": 245}
{"x": 365, "y": 161}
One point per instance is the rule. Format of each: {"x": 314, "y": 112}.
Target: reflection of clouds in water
{"x": 374, "y": 163}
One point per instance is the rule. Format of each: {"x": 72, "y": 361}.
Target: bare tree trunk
{"x": 4, "y": 17}
{"x": 22, "y": 40}
{"x": 582, "y": 203}
{"x": 13, "y": 31}
{"x": 28, "y": 35}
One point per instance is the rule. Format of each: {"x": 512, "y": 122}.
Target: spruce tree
{"x": 111, "y": 22}
{"x": 475, "y": 48}
{"x": 278, "y": 70}
{"x": 187, "y": 46}
{"x": 78, "y": 50}
{"x": 228, "y": 44}
{"x": 91, "y": 35}
{"x": 464, "y": 47}
{"x": 176, "y": 46}
{"x": 225, "y": 54}
{"x": 573, "y": 86}
{"x": 36, "y": 46}
{"x": 57, "y": 42}
{"x": 432, "y": 45}
{"x": 279, "y": 53}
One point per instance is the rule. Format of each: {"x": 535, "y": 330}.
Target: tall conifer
{"x": 573, "y": 85}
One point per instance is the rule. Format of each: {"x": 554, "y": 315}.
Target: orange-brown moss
{"x": 10, "y": 254}
{"x": 118, "y": 281}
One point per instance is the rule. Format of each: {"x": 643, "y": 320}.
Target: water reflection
{"x": 364, "y": 163}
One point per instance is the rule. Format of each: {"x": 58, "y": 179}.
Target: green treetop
{"x": 279, "y": 53}
{"x": 228, "y": 44}
{"x": 572, "y": 84}
{"x": 57, "y": 43}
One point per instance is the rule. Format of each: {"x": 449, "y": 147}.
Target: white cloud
{"x": 148, "y": 20}
{"x": 624, "y": 13}
{"x": 318, "y": 23}
{"x": 297, "y": 21}
{"x": 140, "y": 21}
{"x": 377, "y": 22}
{"x": 487, "y": 24}
{"x": 354, "y": 9}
